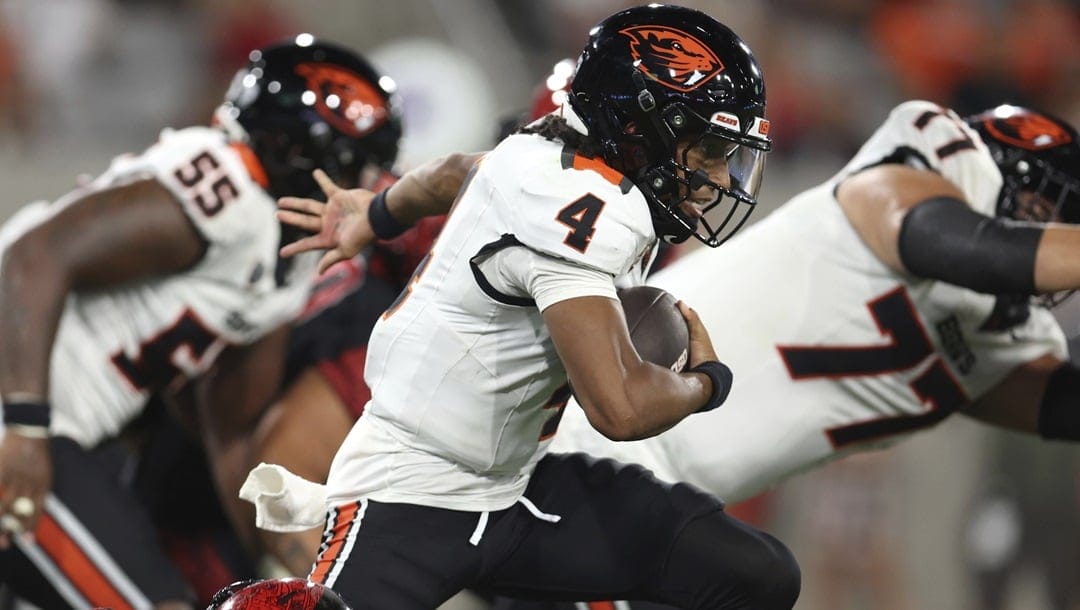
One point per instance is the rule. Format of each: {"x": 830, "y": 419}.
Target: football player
{"x": 990, "y": 352}
{"x": 445, "y": 481}
{"x": 914, "y": 284}
{"x": 137, "y": 283}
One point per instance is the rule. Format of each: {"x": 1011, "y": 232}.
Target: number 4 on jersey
{"x": 580, "y": 217}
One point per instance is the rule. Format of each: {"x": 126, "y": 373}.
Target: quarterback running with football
{"x": 141, "y": 281}
{"x": 912, "y": 285}
{"x": 988, "y": 350}
{"x": 445, "y": 481}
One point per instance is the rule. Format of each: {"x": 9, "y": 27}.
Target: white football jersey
{"x": 832, "y": 351}
{"x": 114, "y": 348}
{"x": 466, "y": 383}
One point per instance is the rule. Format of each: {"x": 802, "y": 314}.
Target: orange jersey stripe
{"x": 598, "y": 166}
{"x": 77, "y": 566}
{"x": 325, "y": 562}
{"x": 251, "y": 162}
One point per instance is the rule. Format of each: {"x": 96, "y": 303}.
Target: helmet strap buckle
{"x": 645, "y": 99}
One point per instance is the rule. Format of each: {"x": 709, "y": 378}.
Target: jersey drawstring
{"x": 536, "y": 512}
{"x": 478, "y": 533}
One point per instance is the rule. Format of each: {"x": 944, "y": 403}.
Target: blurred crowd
{"x": 104, "y": 76}
{"x": 112, "y": 70}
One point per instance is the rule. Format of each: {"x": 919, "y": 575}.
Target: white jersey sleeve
{"x": 582, "y": 216}
{"x": 523, "y": 272}
{"x": 925, "y": 135}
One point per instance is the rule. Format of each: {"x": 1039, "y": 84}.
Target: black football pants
{"x": 587, "y": 529}
{"x": 94, "y": 546}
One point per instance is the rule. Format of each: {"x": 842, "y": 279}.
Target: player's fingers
{"x": 331, "y": 258}
{"x": 314, "y": 242}
{"x": 325, "y": 183}
{"x": 301, "y": 204}
{"x": 688, "y": 314}
{"x": 307, "y": 222}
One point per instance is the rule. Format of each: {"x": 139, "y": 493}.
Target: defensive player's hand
{"x": 701, "y": 348}
{"x": 340, "y": 225}
{"x": 25, "y": 480}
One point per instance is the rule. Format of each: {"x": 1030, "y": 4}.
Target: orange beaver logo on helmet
{"x": 672, "y": 57}
{"x": 344, "y": 99}
{"x": 1029, "y": 131}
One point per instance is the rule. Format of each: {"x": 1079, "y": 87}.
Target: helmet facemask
{"x": 675, "y": 185}
{"x": 1035, "y": 191}
{"x": 1039, "y": 160}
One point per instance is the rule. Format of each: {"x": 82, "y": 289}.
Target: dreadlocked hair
{"x": 553, "y": 127}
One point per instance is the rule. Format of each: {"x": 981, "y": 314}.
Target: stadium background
{"x": 912, "y": 527}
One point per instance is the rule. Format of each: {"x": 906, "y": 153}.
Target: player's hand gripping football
{"x": 340, "y": 225}
{"x": 25, "y": 480}
{"x": 701, "y": 348}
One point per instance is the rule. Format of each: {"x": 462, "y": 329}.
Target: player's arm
{"x": 1039, "y": 397}
{"x": 230, "y": 401}
{"x": 918, "y": 222}
{"x": 623, "y": 396}
{"x": 352, "y": 219}
{"x": 301, "y": 431}
{"x": 109, "y": 238}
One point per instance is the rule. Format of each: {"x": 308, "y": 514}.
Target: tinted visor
{"x": 720, "y": 179}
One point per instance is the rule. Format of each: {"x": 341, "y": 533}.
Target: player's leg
{"x": 93, "y": 546}
{"x": 622, "y": 534}
{"x": 401, "y": 556}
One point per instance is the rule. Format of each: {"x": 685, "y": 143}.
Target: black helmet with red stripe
{"x": 276, "y": 594}
{"x": 307, "y": 104}
{"x": 656, "y": 79}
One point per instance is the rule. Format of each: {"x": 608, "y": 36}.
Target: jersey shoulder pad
{"x": 929, "y": 136}
{"x": 213, "y": 181}
{"x": 570, "y": 207}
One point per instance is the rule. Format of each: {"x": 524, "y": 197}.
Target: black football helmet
{"x": 1039, "y": 159}
{"x": 656, "y": 79}
{"x": 276, "y": 594}
{"x": 1038, "y": 156}
{"x": 307, "y": 104}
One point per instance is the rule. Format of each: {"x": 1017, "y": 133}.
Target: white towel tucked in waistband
{"x": 284, "y": 502}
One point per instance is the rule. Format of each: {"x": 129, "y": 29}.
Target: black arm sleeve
{"x": 1059, "y": 413}
{"x": 944, "y": 239}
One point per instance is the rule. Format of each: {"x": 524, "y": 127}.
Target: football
{"x": 657, "y": 327}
